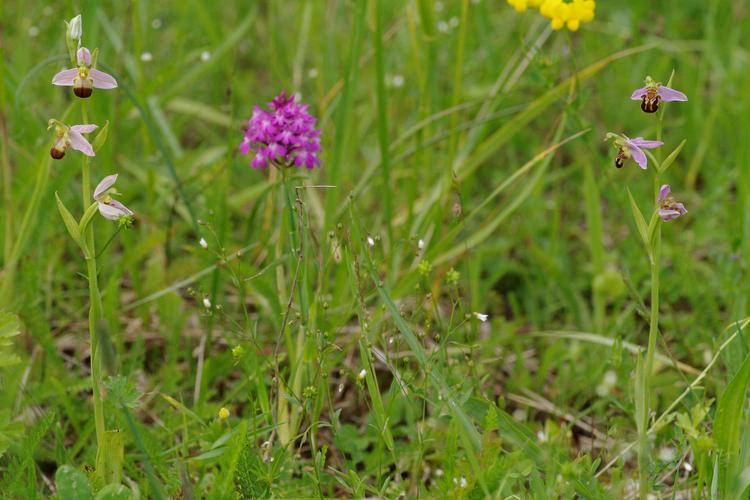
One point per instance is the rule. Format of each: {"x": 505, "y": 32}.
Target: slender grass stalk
{"x": 382, "y": 100}
{"x": 7, "y": 173}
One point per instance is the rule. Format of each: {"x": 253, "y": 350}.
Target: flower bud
{"x": 75, "y": 28}
{"x": 73, "y": 36}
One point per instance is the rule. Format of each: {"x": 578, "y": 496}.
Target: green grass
{"x": 334, "y": 311}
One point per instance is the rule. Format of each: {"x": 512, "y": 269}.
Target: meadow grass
{"x": 460, "y": 302}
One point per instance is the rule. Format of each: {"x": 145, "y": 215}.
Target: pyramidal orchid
{"x": 653, "y": 92}
{"x": 669, "y": 209}
{"x": 110, "y": 208}
{"x": 70, "y": 137}
{"x": 84, "y": 78}
{"x": 631, "y": 148}
{"x": 285, "y": 136}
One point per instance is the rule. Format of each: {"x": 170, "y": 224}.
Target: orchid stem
{"x": 653, "y": 331}
{"x": 95, "y": 308}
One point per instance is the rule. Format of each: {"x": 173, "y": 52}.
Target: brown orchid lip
{"x": 83, "y": 92}
{"x": 56, "y": 153}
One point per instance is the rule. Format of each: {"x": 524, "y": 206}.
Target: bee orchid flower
{"x": 71, "y": 137}
{"x": 84, "y": 79}
{"x": 110, "y": 208}
{"x": 669, "y": 209}
{"x": 632, "y": 148}
{"x": 653, "y": 92}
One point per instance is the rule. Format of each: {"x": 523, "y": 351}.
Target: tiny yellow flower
{"x": 223, "y": 413}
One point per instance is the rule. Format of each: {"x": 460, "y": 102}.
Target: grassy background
{"x": 441, "y": 122}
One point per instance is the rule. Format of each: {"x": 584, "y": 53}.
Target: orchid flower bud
{"x": 73, "y": 36}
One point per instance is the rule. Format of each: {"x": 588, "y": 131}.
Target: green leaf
{"x": 671, "y": 158}
{"x": 729, "y": 411}
{"x": 110, "y": 458}
{"x": 70, "y": 222}
{"x": 640, "y": 222}
{"x": 114, "y": 492}
{"x": 72, "y": 484}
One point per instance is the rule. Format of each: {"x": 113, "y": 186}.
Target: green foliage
{"x": 467, "y": 243}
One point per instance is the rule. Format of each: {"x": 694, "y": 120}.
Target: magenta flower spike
{"x": 84, "y": 79}
{"x": 668, "y": 208}
{"x": 653, "y": 92}
{"x": 632, "y": 148}
{"x": 71, "y": 137}
{"x": 285, "y": 136}
{"x": 109, "y": 208}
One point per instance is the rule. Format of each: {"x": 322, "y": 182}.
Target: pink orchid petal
{"x": 680, "y": 208}
{"x": 664, "y": 192}
{"x": 84, "y": 57}
{"x": 105, "y": 184}
{"x": 643, "y": 143}
{"x": 668, "y": 95}
{"x": 102, "y": 80}
{"x": 667, "y": 214}
{"x": 79, "y": 142}
{"x": 65, "y": 77}
{"x": 110, "y": 212}
{"x": 638, "y": 155}
{"x": 119, "y": 206}
{"x": 84, "y": 129}
{"x": 638, "y": 94}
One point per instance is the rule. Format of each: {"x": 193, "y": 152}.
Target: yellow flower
{"x": 570, "y": 14}
{"x": 519, "y": 5}
{"x": 223, "y": 413}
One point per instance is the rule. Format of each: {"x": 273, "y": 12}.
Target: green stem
{"x": 653, "y": 331}
{"x": 95, "y": 309}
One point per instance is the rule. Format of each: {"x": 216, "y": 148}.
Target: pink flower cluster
{"x": 284, "y": 136}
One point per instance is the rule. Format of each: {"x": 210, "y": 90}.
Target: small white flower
{"x": 439, "y": 472}
{"x": 453, "y": 22}
{"x": 203, "y": 243}
{"x": 205, "y": 56}
{"x": 481, "y": 317}
{"x": 398, "y": 81}
{"x": 312, "y": 73}
{"x": 33, "y": 31}
{"x": 147, "y": 57}
{"x": 443, "y": 27}
{"x": 206, "y": 302}
{"x": 362, "y": 373}
{"x": 667, "y": 453}
{"x": 370, "y": 241}
{"x": 541, "y": 436}
{"x": 464, "y": 483}
{"x": 420, "y": 244}
{"x": 687, "y": 466}
{"x": 439, "y": 6}
{"x": 156, "y": 23}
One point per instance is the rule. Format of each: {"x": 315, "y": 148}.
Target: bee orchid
{"x": 71, "y": 137}
{"x": 631, "y": 148}
{"x": 653, "y": 92}
{"x": 110, "y": 208}
{"x": 668, "y": 208}
{"x": 84, "y": 79}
